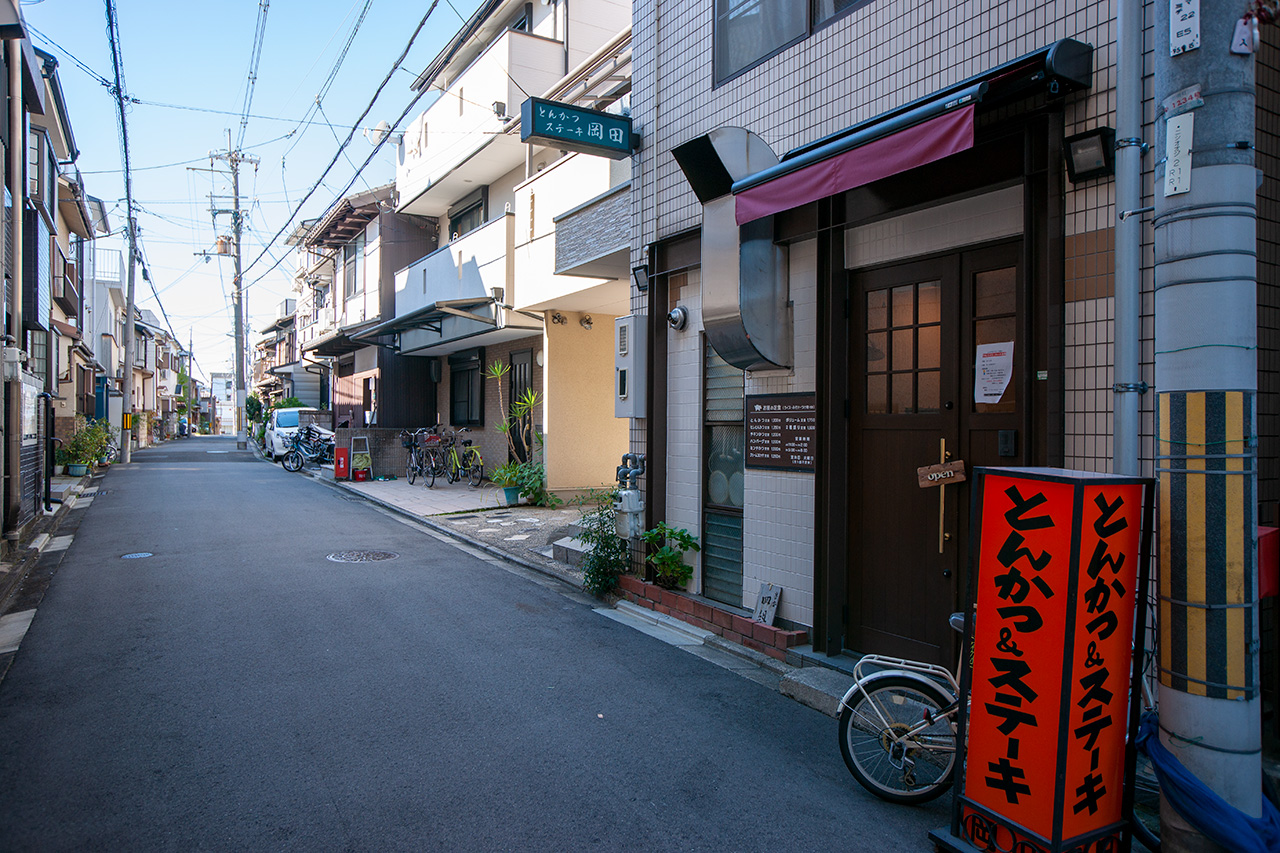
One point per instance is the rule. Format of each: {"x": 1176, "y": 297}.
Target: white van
{"x": 281, "y": 426}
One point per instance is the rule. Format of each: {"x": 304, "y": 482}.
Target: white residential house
{"x": 534, "y": 257}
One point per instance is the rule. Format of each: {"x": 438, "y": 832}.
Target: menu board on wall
{"x": 782, "y": 431}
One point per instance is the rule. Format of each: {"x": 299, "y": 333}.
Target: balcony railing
{"x": 470, "y": 266}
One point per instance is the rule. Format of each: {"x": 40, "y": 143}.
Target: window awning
{"x": 340, "y": 342}
{"x": 447, "y": 324}
{"x": 912, "y": 135}
{"x": 852, "y": 163}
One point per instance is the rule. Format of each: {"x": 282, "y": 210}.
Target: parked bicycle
{"x": 898, "y": 729}
{"x": 898, "y": 726}
{"x": 309, "y": 444}
{"x": 454, "y": 459}
{"x": 418, "y": 445}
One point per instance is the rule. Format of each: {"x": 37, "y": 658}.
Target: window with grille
{"x": 724, "y": 443}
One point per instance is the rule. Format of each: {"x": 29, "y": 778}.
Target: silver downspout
{"x": 1127, "y": 373}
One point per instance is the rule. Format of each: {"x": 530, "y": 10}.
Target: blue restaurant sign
{"x": 558, "y": 125}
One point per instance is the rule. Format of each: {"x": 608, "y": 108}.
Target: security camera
{"x": 678, "y": 318}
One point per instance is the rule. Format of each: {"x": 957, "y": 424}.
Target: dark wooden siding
{"x": 406, "y": 396}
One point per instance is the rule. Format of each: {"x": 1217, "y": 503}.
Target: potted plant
{"x": 670, "y": 545}
{"x": 86, "y": 444}
{"x": 524, "y": 472}
{"x": 508, "y": 477}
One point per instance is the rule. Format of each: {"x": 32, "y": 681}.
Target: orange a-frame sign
{"x": 1057, "y": 566}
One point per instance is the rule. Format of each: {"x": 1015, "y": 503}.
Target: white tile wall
{"x": 883, "y": 55}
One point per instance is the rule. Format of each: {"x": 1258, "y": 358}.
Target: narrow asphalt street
{"x": 239, "y": 690}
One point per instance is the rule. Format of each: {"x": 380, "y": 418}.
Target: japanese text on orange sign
{"x": 1102, "y": 651}
{"x": 1018, "y": 660}
{"x": 1052, "y": 639}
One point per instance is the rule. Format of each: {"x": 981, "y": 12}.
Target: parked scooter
{"x": 311, "y": 443}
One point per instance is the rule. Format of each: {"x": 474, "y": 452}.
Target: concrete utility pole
{"x": 1206, "y": 375}
{"x": 130, "y": 344}
{"x": 234, "y": 158}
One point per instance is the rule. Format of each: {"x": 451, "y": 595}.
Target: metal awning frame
{"x": 430, "y": 318}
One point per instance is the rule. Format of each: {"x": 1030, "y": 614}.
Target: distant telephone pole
{"x": 234, "y": 158}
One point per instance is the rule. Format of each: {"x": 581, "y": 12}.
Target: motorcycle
{"x": 311, "y": 443}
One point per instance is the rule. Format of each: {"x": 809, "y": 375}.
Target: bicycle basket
{"x": 431, "y": 440}
{"x": 406, "y": 442}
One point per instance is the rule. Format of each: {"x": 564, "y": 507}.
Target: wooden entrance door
{"x": 915, "y": 332}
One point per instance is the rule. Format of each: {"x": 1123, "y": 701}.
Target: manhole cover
{"x": 138, "y": 556}
{"x": 361, "y": 556}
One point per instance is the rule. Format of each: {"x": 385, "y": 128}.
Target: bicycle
{"x": 415, "y": 463}
{"x": 456, "y": 464}
{"x": 898, "y": 730}
{"x": 898, "y": 726}
{"x": 309, "y": 444}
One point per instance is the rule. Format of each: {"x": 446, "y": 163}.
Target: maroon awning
{"x": 942, "y": 136}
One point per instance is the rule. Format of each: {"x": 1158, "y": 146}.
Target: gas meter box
{"x": 628, "y": 514}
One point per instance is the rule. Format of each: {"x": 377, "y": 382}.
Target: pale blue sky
{"x": 197, "y": 55}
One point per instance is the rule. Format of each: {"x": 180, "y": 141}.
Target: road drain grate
{"x": 361, "y": 556}
{"x": 136, "y": 556}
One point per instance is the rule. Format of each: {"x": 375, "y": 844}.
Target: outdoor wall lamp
{"x": 1091, "y": 154}
{"x": 585, "y": 321}
{"x": 558, "y": 319}
{"x": 640, "y": 275}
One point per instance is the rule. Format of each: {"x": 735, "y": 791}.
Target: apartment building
{"x": 365, "y": 242}
{"x": 533, "y": 261}
{"x": 851, "y": 215}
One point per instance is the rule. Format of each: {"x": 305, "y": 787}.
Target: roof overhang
{"x": 72, "y": 206}
{"x": 348, "y": 217}
{"x": 339, "y": 342}
{"x": 453, "y": 324}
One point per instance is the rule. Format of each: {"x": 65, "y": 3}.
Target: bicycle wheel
{"x": 431, "y": 466}
{"x": 879, "y": 752}
{"x": 454, "y": 473}
{"x": 475, "y": 467}
{"x": 411, "y": 466}
{"x": 292, "y": 461}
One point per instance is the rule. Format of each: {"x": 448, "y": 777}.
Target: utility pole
{"x": 1207, "y": 379}
{"x": 234, "y": 158}
{"x": 130, "y": 339}
{"x": 193, "y": 417}
{"x": 126, "y": 428}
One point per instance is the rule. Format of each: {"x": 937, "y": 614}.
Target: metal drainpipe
{"x": 1127, "y": 374}
{"x": 1206, "y": 375}
{"x": 17, "y": 183}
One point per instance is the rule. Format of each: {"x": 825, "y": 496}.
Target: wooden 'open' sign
{"x": 941, "y": 475}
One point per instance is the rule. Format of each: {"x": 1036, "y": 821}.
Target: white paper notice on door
{"x": 993, "y": 367}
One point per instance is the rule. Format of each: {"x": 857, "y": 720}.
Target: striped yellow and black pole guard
{"x": 1206, "y": 457}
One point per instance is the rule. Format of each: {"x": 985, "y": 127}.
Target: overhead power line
{"x": 259, "y": 37}
{"x": 338, "y": 155}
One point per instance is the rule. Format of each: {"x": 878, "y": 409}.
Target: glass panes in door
{"x": 903, "y": 338}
